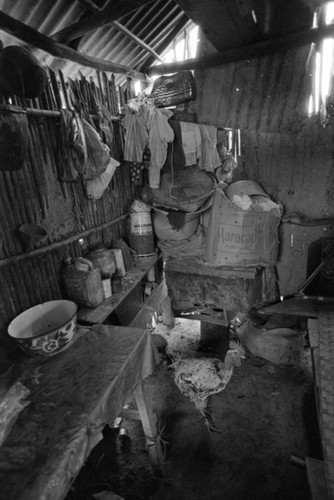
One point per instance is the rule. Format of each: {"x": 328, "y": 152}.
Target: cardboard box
{"x": 238, "y": 237}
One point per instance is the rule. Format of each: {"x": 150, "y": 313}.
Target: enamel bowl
{"x": 45, "y": 329}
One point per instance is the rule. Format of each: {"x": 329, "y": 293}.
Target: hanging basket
{"x": 174, "y": 89}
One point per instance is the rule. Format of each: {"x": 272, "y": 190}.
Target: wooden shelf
{"x": 132, "y": 279}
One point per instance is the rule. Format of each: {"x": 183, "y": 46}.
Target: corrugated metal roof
{"x": 152, "y": 23}
{"x": 226, "y": 24}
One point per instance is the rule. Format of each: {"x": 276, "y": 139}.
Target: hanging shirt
{"x": 210, "y": 156}
{"x": 136, "y": 136}
{"x": 191, "y": 143}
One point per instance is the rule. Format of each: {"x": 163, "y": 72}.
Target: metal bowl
{"x": 244, "y": 187}
{"x": 45, "y": 329}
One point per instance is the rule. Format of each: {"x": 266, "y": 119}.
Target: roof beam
{"x": 98, "y": 20}
{"x": 91, "y": 5}
{"x": 138, "y": 41}
{"x": 182, "y": 21}
{"x": 255, "y": 50}
{"x": 33, "y": 37}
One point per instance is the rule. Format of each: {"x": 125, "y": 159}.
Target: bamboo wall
{"x": 35, "y": 194}
{"x": 289, "y": 153}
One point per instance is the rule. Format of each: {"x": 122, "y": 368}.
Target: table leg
{"x": 150, "y": 426}
{"x": 167, "y": 312}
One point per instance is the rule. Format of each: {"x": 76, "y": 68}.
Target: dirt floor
{"x": 266, "y": 415}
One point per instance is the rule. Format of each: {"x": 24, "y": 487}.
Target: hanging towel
{"x": 160, "y": 134}
{"x": 210, "y": 156}
{"x": 191, "y": 143}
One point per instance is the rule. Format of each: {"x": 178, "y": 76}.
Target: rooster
{"x": 199, "y": 378}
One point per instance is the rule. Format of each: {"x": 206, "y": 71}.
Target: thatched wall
{"x": 35, "y": 194}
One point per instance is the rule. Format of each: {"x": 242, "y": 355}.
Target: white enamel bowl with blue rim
{"x": 45, "y": 329}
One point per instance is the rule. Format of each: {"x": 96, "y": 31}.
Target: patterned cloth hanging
{"x": 136, "y": 173}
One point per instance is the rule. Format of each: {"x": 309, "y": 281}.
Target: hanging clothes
{"x": 136, "y": 136}
{"x": 160, "y": 134}
{"x": 175, "y": 154}
{"x": 136, "y": 173}
{"x": 191, "y": 143}
{"x": 210, "y": 156}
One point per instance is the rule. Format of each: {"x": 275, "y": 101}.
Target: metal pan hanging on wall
{"x": 14, "y": 136}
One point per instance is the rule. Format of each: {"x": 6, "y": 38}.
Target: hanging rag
{"x": 210, "y": 156}
{"x": 72, "y": 149}
{"x": 136, "y": 136}
{"x": 96, "y": 187}
{"x": 98, "y": 156}
{"x": 191, "y": 143}
{"x": 160, "y": 134}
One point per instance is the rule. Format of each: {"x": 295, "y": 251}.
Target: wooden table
{"x": 73, "y": 396}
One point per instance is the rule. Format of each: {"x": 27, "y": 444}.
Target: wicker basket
{"x": 174, "y": 89}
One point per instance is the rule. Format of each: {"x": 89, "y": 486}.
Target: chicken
{"x": 199, "y": 378}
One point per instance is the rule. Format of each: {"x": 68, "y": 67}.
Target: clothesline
{"x": 147, "y": 125}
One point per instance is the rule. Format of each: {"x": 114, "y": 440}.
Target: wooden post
{"x": 167, "y": 312}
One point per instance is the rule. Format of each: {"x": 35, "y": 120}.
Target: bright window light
{"x": 184, "y": 46}
{"x": 193, "y": 42}
{"x": 326, "y": 67}
{"x": 323, "y": 68}
{"x": 329, "y": 13}
{"x": 180, "y": 50}
{"x": 137, "y": 87}
{"x": 317, "y": 82}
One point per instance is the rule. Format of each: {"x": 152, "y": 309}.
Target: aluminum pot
{"x": 104, "y": 259}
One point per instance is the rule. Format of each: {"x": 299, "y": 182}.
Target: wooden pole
{"x": 137, "y": 40}
{"x": 258, "y": 49}
{"x": 60, "y": 244}
{"x": 33, "y": 37}
{"x": 48, "y": 113}
{"x": 91, "y": 5}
